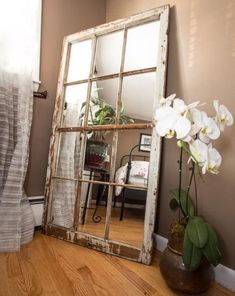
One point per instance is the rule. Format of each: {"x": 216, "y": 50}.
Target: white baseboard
{"x": 223, "y": 275}
{"x": 36, "y": 203}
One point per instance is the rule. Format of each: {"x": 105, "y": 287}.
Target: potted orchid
{"x": 192, "y": 239}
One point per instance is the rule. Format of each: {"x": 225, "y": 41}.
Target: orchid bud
{"x": 179, "y": 143}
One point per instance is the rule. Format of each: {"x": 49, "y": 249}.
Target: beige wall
{"x": 59, "y": 18}
{"x": 201, "y": 66}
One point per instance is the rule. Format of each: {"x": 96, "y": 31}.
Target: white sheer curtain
{"x": 19, "y": 28}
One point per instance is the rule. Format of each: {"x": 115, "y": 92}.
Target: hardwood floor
{"x": 133, "y": 223}
{"x": 48, "y": 266}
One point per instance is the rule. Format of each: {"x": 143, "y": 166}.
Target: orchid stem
{"x": 195, "y": 189}
{"x": 180, "y": 179}
{"x": 189, "y": 185}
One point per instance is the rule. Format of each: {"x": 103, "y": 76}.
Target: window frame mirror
{"x": 105, "y": 244}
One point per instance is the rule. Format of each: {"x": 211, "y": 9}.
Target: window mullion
{"x": 115, "y": 139}
{"x": 84, "y": 133}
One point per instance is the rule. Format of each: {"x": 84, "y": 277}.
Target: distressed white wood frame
{"x": 104, "y": 244}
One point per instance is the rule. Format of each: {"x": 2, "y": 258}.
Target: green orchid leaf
{"x": 197, "y": 232}
{"x": 186, "y": 202}
{"x": 174, "y": 204}
{"x": 192, "y": 255}
{"x": 211, "y": 250}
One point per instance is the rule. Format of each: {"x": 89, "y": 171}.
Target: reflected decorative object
{"x": 145, "y": 142}
{"x": 102, "y": 113}
{"x": 195, "y": 131}
{"x": 96, "y": 154}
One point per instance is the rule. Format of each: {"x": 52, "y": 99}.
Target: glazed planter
{"x": 177, "y": 276}
{"x": 96, "y": 152}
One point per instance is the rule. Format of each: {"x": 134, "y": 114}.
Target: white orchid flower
{"x": 209, "y": 129}
{"x": 182, "y": 108}
{"x": 198, "y": 150}
{"x": 171, "y": 123}
{"x": 207, "y": 157}
{"x": 167, "y": 101}
{"x": 223, "y": 116}
{"x": 195, "y": 117}
{"x": 214, "y": 160}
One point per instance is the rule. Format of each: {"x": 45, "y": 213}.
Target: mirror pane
{"x": 138, "y": 94}
{"x": 128, "y": 207}
{"x": 94, "y": 194}
{"x": 102, "y": 108}
{"x": 142, "y": 46}
{"x": 98, "y": 153}
{"x": 69, "y": 154}
{"x": 93, "y": 203}
{"x": 63, "y": 201}
{"x": 75, "y": 98}
{"x": 80, "y": 61}
{"x": 108, "y": 53}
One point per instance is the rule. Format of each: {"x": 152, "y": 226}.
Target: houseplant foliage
{"x": 100, "y": 113}
{"x": 195, "y": 132}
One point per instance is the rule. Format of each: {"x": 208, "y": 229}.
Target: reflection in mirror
{"x": 63, "y": 201}
{"x": 75, "y": 96}
{"x": 128, "y": 206}
{"x": 138, "y": 94}
{"x": 108, "y": 53}
{"x": 80, "y": 61}
{"x": 108, "y": 90}
{"x": 98, "y": 152}
{"x": 93, "y": 202}
{"x": 142, "y": 46}
{"x": 69, "y": 153}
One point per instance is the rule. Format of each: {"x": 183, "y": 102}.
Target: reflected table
{"x": 103, "y": 176}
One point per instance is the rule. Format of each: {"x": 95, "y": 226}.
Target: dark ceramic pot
{"x": 96, "y": 152}
{"x": 177, "y": 276}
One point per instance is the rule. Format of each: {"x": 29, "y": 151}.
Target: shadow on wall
{"x": 201, "y": 66}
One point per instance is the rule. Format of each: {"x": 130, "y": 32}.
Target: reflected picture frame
{"x": 145, "y": 142}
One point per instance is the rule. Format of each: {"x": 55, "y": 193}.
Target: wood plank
{"x": 111, "y": 76}
{"x": 121, "y": 249}
{"x": 49, "y": 266}
{"x": 54, "y": 141}
{"x": 102, "y": 182}
{"x": 84, "y": 138}
{"x": 109, "y": 127}
{"x": 155, "y": 154}
{"x": 137, "y": 19}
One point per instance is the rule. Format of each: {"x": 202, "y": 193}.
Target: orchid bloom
{"x": 223, "y": 116}
{"x": 173, "y": 120}
{"x": 181, "y": 108}
{"x": 209, "y": 129}
{"x": 194, "y": 116}
{"x": 167, "y": 101}
{"x": 170, "y": 122}
{"x": 206, "y": 156}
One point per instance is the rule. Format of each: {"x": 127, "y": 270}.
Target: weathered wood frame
{"x": 131, "y": 252}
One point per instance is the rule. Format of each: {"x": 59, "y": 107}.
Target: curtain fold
{"x": 19, "y": 44}
{"x": 16, "y": 104}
